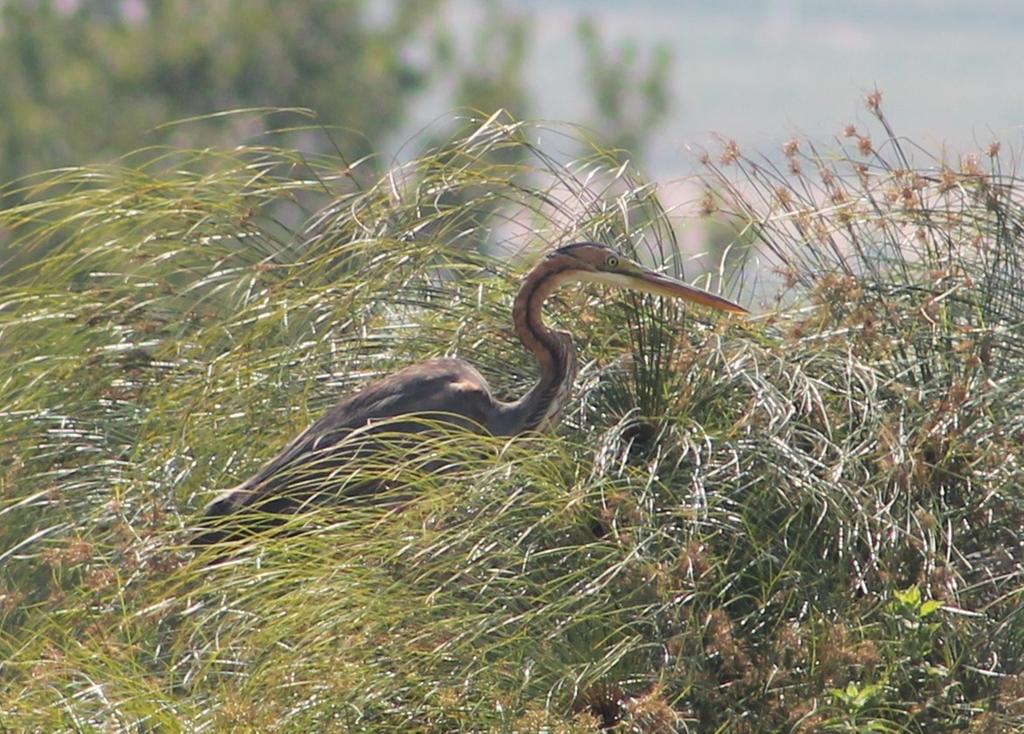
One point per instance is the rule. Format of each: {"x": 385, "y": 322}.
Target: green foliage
{"x": 489, "y": 76}
{"x": 89, "y": 80}
{"x": 631, "y": 98}
{"x": 805, "y": 522}
{"x": 86, "y": 81}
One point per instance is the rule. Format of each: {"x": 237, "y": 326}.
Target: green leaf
{"x": 909, "y": 597}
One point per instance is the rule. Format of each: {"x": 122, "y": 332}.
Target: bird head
{"x": 594, "y": 263}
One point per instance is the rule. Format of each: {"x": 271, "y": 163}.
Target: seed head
{"x": 708, "y": 206}
{"x": 730, "y": 154}
{"x": 874, "y": 101}
{"x": 947, "y": 180}
{"x": 969, "y": 165}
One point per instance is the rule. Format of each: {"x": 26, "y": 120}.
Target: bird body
{"x": 447, "y": 390}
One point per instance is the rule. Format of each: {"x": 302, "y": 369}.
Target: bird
{"x": 450, "y": 390}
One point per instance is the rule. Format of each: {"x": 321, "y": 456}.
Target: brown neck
{"x": 540, "y": 408}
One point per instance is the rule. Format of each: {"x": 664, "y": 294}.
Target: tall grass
{"x": 807, "y": 522}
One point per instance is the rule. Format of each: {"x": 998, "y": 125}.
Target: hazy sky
{"x": 952, "y": 72}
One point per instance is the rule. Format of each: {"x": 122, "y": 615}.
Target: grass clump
{"x": 806, "y": 522}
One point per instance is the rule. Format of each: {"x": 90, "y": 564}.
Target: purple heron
{"x": 451, "y": 390}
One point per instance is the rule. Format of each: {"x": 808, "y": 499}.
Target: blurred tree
{"x": 491, "y": 76}
{"x": 631, "y": 98}
{"x": 87, "y": 80}
{"x": 90, "y": 79}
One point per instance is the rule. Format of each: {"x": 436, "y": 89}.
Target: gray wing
{"x": 448, "y": 390}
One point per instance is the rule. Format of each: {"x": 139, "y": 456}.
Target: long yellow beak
{"x": 648, "y": 281}
{"x": 661, "y": 285}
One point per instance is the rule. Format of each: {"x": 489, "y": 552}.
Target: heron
{"x": 450, "y": 389}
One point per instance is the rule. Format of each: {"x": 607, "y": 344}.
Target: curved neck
{"x": 541, "y": 407}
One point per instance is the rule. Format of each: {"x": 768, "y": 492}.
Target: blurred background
{"x": 87, "y": 81}
{"x": 760, "y": 72}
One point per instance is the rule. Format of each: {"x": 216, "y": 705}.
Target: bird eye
{"x": 612, "y": 261}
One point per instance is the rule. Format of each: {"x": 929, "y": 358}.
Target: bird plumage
{"x": 449, "y": 391}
